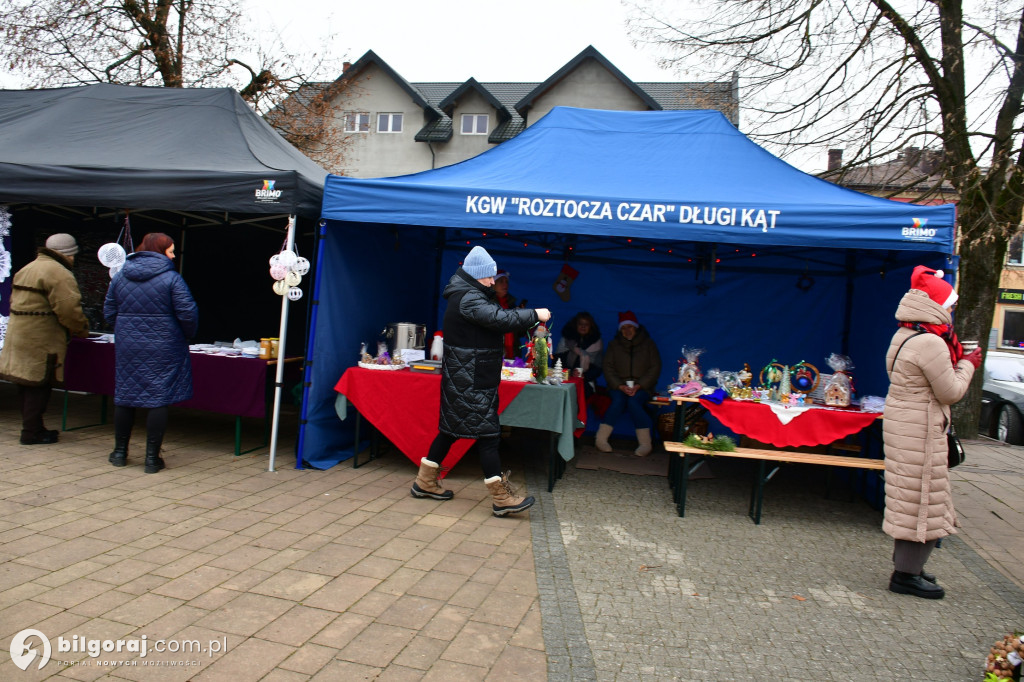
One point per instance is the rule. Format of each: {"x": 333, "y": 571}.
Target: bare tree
{"x": 874, "y": 76}
{"x": 170, "y": 43}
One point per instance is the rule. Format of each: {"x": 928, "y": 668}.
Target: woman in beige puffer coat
{"x": 928, "y": 372}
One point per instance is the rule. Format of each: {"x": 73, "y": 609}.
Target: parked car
{"x": 1002, "y": 397}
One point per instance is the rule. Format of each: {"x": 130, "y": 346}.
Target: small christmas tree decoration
{"x": 557, "y": 374}
{"x": 541, "y": 353}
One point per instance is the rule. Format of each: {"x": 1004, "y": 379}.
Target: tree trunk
{"x": 981, "y": 261}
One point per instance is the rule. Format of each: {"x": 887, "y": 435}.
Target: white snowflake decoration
{"x": 3, "y": 329}
{"x": 5, "y": 263}
{"x": 5, "y": 222}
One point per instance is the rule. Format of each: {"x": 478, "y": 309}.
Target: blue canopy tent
{"x": 676, "y": 215}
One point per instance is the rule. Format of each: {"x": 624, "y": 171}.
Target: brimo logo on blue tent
{"x": 919, "y": 232}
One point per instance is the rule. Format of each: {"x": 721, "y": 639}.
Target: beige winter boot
{"x": 504, "y": 495}
{"x": 643, "y": 437}
{"x": 426, "y": 484}
{"x": 601, "y": 439}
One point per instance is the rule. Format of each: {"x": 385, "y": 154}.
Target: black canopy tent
{"x": 198, "y": 164}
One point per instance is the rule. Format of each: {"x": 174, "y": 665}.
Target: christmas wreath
{"x": 710, "y": 443}
{"x": 1005, "y": 658}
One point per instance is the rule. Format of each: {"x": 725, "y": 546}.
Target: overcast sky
{"x": 526, "y": 40}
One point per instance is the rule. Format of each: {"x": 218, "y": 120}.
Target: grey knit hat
{"x": 62, "y": 242}
{"x": 479, "y": 264}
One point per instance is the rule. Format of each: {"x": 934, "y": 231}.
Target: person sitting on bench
{"x": 632, "y": 366}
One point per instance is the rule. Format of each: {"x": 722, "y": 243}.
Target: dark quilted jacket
{"x": 153, "y": 315}
{"x": 474, "y": 330}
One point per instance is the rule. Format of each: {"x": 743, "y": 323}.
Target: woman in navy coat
{"x": 154, "y": 316}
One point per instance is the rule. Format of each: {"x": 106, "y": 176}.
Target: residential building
{"x": 388, "y": 126}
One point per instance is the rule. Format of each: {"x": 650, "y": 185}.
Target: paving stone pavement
{"x": 341, "y": 575}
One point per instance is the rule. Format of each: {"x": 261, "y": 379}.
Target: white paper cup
{"x": 969, "y": 346}
{"x": 629, "y": 384}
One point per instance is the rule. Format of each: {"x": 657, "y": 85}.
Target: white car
{"x": 1002, "y": 397}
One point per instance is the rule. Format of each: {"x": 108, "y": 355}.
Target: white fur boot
{"x": 601, "y": 439}
{"x": 643, "y": 437}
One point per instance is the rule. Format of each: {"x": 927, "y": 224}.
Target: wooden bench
{"x": 682, "y": 473}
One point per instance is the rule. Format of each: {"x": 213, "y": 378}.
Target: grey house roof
{"x": 512, "y": 101}
{"x": 913, "y": 170}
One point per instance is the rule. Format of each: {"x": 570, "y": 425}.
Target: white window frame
{"x": 391, "y": 118}
{"x": 357, "y": 122}
{"x": 1016, "y": 310}
{"x": 476, "y": 119}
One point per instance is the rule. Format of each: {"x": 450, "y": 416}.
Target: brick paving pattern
{"x": 341, "y": 575}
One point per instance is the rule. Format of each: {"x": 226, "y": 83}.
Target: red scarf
{"x": 945, "y": 331}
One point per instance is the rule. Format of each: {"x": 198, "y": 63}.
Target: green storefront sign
{"x": 1011, "y": 296}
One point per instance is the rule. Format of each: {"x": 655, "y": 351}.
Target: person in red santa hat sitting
{"x": 632, "y": 366}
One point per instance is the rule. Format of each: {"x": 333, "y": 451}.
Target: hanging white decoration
{"x": 5, "y": 263}
{"x": 287, "y": 258}
{"x": 287, "y": 268}
{"x": 111, "y": 255}
{"x": 3, "y": 329}
{"x": 5, "y": 222}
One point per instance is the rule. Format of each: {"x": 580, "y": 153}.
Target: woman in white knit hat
{"x": 46, "y": 307}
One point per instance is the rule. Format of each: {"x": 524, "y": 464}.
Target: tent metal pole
{"x": 281, "y": 338}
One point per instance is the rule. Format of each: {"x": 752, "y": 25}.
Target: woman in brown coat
{"x": 46, "y": 309}
{"x": 928, "y": 372}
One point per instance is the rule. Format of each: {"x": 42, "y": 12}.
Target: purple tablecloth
{"x": 230, "y": 385}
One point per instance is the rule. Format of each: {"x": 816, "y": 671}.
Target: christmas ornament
{"x": 287, "y": 268}
{"x": 566, "y": 276}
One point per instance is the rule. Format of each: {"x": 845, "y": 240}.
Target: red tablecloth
{"x": 813, "y": 427}
{"x": 229, "y": 385}
{"x": 405, "y": 407}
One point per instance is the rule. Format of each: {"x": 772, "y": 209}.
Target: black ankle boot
{"x": 119, "y": 457}
{"x": 154, "y": 462}
{"x": 907, "y": 583}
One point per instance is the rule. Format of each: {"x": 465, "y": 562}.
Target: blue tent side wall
{"x": 367, "y": 276}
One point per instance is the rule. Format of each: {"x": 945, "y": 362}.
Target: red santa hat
{"x": 932, "y": 283}
{"x": 628, "y": 317}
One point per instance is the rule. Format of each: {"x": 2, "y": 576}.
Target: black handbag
{"x": 956, "y": 450}
{"x": 955, "y": 454}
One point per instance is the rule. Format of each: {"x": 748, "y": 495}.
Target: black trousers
{"x": 490, "y": 459}
{"x": 34, "y": 400}
{"x": 156, "y": 425}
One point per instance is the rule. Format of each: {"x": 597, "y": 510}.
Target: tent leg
{"x": 279, "y": 378}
